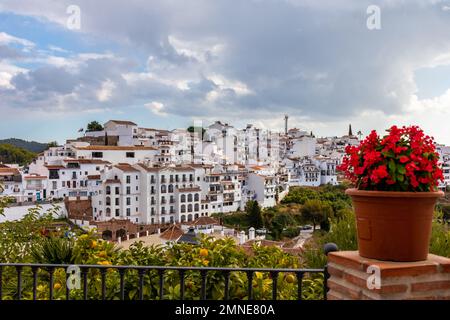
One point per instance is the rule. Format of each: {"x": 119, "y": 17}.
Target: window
{"x": 128, "y": 212}
{"x": 97, "y": 154}
{"x": 170, "y": 188}
{"x": 163, "y": 189}
{"x": 189, "y": 197}
{"x": 130, "y": 154}
{"x": 183, "y": 208}
{"x": 108, "y": 212}
{"x": 196, "y": 197}
{"x": 128, "y": 201}
{"x": 196, "y": 207}
{"x": 117, "y": 212}
{"x": 108, "y": 201}
{"x": 128, "y": 190}
{"x": 117, "y": 190}
{"x": 183, "y": 198}
{"x": 128, "y": 179}
{"x": 189, "y": 207}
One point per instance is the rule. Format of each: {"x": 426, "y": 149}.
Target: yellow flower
{"x": 289, "y": 278}
{"x": 204, "y": 252}
{"x": 258, "y": 275}
{"x": 105, "y": 263}
{"x": 205, "y": 263}
{"x": 102, "y": 254}
{"x": 57, "y": 286}
{"x": 41, "y": 287}
{"x": 93, "y": 244}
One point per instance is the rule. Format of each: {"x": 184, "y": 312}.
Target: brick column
{"x": 349, "y": 275}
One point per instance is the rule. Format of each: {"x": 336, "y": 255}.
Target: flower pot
{"x": 393, "y": 226}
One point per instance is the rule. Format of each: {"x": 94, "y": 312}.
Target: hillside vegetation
{"x": 13, "y": 154}
{"x": 31, "y": 146}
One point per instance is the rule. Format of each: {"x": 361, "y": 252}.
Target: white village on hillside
{"x": 128, "y": 181}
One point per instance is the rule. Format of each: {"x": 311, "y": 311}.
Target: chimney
{"x": 286, "y": 118}
{"x": 242, "y": 237}
{"x": 251, "y": 233}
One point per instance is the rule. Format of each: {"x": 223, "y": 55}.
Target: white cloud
{"x": 156, "y": 107}
{"x": 106, "y": 91}
{"x": 6, "y": 38}
{"x": 7, "y": 72}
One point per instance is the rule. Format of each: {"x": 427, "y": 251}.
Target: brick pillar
{"x": 353, "y": 277}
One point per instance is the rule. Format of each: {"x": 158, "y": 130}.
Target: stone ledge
{"x": 353, "y": 260}
{"x": 429, "y": 279}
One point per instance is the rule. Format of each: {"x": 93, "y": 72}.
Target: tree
{"x": 94, "y": 126}
{"x": 52, "y": 144}
{"x": 192, "y": 129}
{"x": 316, "y": 211}
{"x": 12, "y": 154}
{"x": 253, "y": 211}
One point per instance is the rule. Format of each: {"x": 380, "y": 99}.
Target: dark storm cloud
{"x": 307, "y": 58}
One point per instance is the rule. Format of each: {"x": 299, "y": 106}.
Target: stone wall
{"x": 353, "y": 278}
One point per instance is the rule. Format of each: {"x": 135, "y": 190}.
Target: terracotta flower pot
{"x": 393, "y": 226}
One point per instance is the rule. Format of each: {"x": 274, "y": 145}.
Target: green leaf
{"x": 401, "y": 169}
{"x": 392, "y": 165}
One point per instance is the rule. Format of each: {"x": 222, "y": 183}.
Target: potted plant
{"x": 396, "y": 178}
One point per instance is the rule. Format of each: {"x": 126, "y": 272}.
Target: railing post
{"x": 1, "y": 283}
{"x": 327, "y": 248}
{"x": 19, "y": 282}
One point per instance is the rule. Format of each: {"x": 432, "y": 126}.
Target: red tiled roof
{"x": 203, "y": 221}
{"x": 112, "y": 181}
{"x": 126, "y": 168}
{"x": 87, "y": 161}
{"x": 189, "y": 189}
{"x": 172, "y": 233}
{"x": 94, "y": 177}
{"x": 123, "y": 122}
{"x": 35, "y": 177}
{"x": 54, "y": 167}
{"x": 8, "y": 171}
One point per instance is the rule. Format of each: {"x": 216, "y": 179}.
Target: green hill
{"x": 13, "y": 154}
{"x": 31, "y": 146}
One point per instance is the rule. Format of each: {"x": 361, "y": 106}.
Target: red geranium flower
{"x": 403, "y": 160}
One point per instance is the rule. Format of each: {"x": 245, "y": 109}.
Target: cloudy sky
{"x": 166, "y": 63}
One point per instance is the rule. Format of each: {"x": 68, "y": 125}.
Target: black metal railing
{"x": 143, "y": 270}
